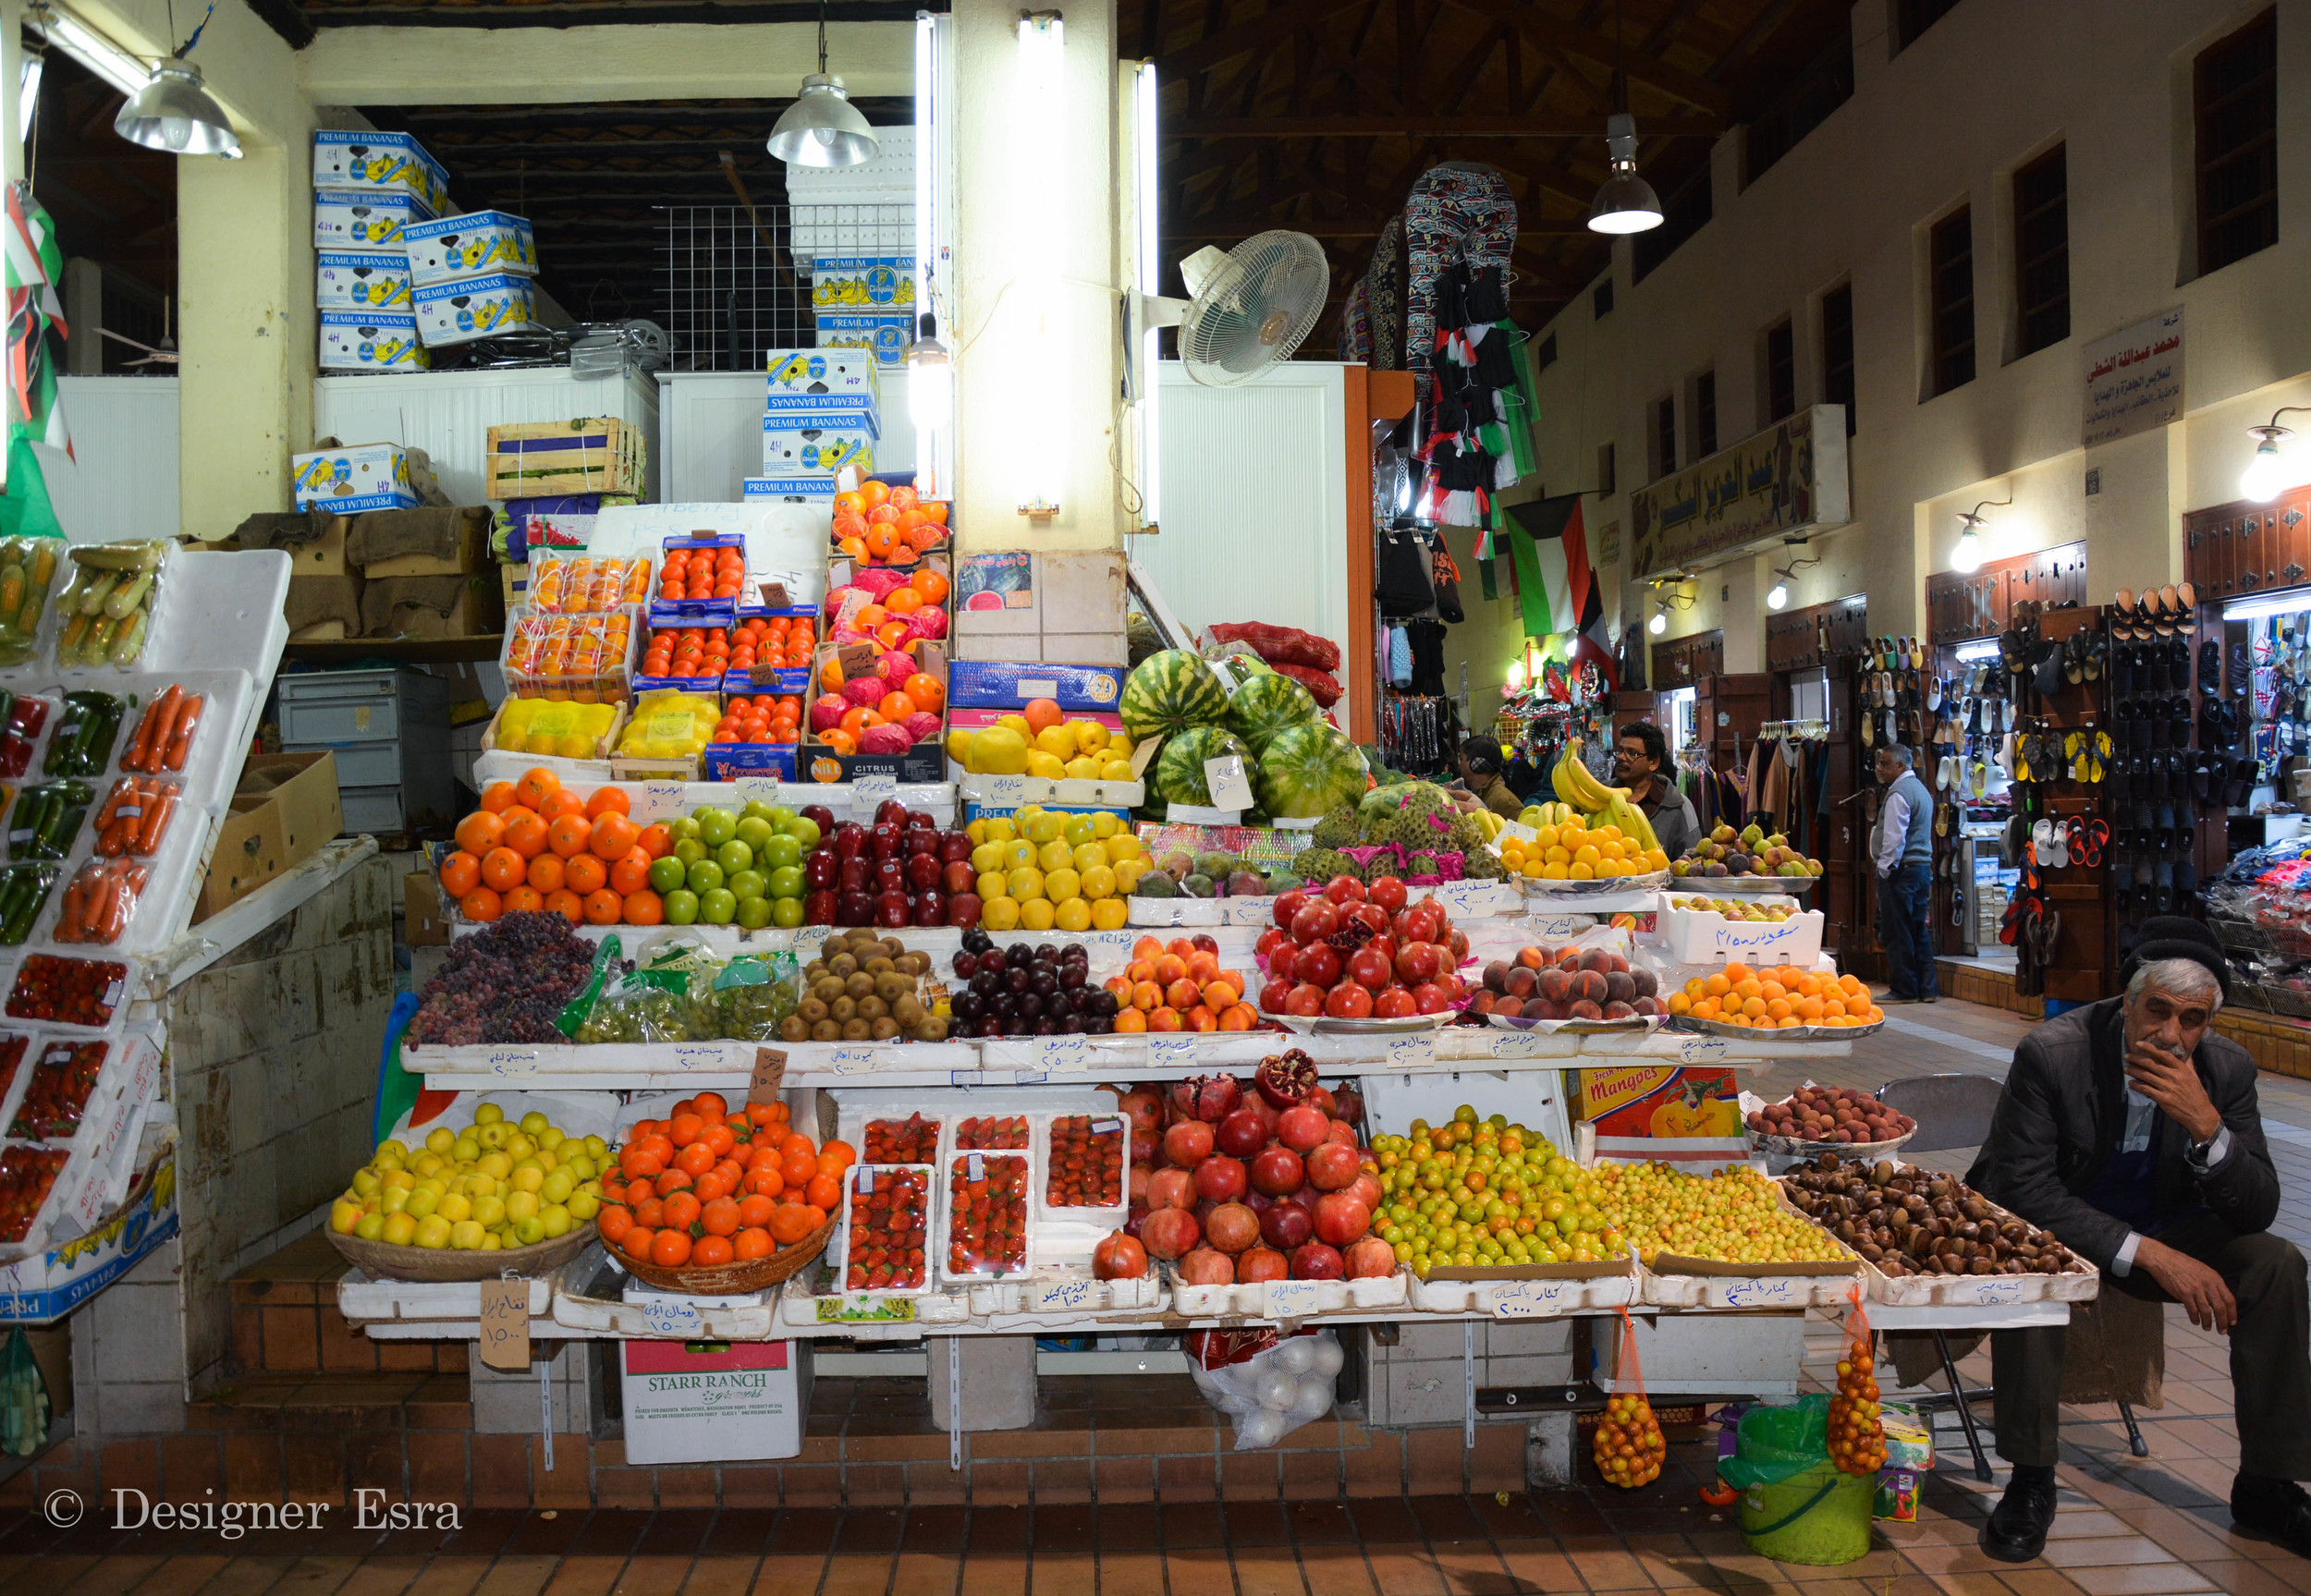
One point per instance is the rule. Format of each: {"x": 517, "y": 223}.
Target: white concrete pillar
{"x": 1037, "y": 365}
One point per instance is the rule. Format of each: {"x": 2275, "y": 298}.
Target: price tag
{"x": 1703, "y": 1049}
{"x": 1172, "y": 1051}
{"x": 1230, "y": 788}
{"x": 1001, "y": 791}
{"x": 867, "y": 791}
{"x": 774, "y": 596}
{"x": 662, "y": 797}
{"x": 856, "y": 659}
{"x": 1143, "y": 755}
{"x": 1292, "y": 1298}
{"x": 672, "y": 1321}
{"x": 850, "y": 1061}
{"x": 1067, "y": 1052}
{"x": 1997, "y": 1293}
{"x": 506, "y": 1323}
{"x": 758, "y": 789}
{"x": 1777, "y": 1292}
{"x": 770, "y": 1073}
{"x": 1062, "y": 1297}
{"x": 1532, "y": 1298}
{"x": 1412, "y": 1051}
{"x": 513, "y": 1064}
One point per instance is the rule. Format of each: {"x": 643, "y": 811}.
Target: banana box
{"x": 819, "y": 439}
{"x": 347, "y": 481}
{"x": 370, "y": 160}
{"x": 799, "y": 488}
{"x": 371, "y": 341}
{"x": 883, "y": 335}
{"x": 468, "y": 246}
{"x": 363, "y": 280}
{"x": 470, "y": 307}
{"x": 364, "y": 218}
{"x": 814, "y": 377}
{"x": 862, "y": 283}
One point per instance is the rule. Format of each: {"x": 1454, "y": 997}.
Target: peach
{"x": 1589, "y": 986}
{"x": 1597, "y": 959}
{"x": 1530, "y": 957}
{"x": 1584, "y": 1009}
{"x": 1509, "y": 1008}
{"x": 1497, "y": 975}
{"x": 1619, "y": 988}
{"x": 1522, "y": 982}
{"x": 1554, "y": 984}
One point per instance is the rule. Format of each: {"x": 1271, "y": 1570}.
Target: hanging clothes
{"x": 1356, "y": 325}
{"x": 1458, "y": 211}
{"x": 1383, "y": 290}
{"x": 1426, "y": 637}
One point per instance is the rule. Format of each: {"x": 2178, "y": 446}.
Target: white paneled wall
{"x": 120, "y": 480}
{"x": 711, "y": 431}
{"x": 448, "y": 414}
{"x": 1254, "y": 503}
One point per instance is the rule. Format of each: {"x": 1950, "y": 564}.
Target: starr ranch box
{"x": 703, "y": 1401}
{"x": 370, "y": 160}
{"x": 362, "y": 280}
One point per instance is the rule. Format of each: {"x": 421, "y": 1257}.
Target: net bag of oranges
{"x": 1626, "y": 1443}
{"x": 1857, "y": 1432}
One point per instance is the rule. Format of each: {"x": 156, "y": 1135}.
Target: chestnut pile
{"x": 1911, "y": 1221}
{"x": 1022, "y": 990}
{"x": 1827, "y": 1114}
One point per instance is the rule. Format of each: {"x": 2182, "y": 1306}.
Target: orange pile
{"x": 709, "y": 1185}
{"x": 1627, "y": 1445}
{"x": 886, "y": 526}
{"x": 575, "y": 586}
{"x": 1777, "y": 999}
{"x": 535, "y": 845}
{"x": 1177, "y": 986}
{"x": 579, "y": 659}
{"x": 760, "y": 720}
{"x": 705, "y": 573}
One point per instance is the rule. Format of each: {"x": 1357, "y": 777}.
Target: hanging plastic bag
{"x": 23, "y": 1400}
{"x": 1627, "y": 1444}
{"x": 1270, "y": 1386}
{"x": 1857, "y": 1430}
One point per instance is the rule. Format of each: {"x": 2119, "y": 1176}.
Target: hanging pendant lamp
{"x": 1625, "y": 203}
{"x": 823, "y": 127}
{"x": 174, "y": 113}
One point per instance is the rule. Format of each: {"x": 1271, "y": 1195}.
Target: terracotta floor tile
{"x": 1604, "y": 1563}
{"x": 1337, "y": 1571}
{"x": 611, "y": 1533}
{"x": 115, "y": 1574}
{"x": 1063, "y": 1573}
{"x": 1193, "y": 1526}
{"x": 1401, "y": 1569}
{"x": 1468, "y": 1566}
{"x": 994, "y": 1574}
{"x": 789, "y": 1574}
{"x": 516, "y": 1577}
{"x": 1445, "y": 1518}
{"x": 740, "y": 1532}
{"x": 718, "y": 1575}
{"x": 1971, "y": 1585}
{"x": 1257, "y": 1524}
{"x": 449, "y": 1576}
{"x": 1000, "y": 1530}
{"x": 805, "y": 1530}
{"x": 1537, "y": 1565}
{"x": 867, "y": 1530}
{"x": 1967, "y": 1559}
{"x": 1383, "y": 1518}
{"x": 1199, "y": 1571}
{"x": 1139, "y": 1571}
{"x": 1128, "y": 1526}
{"x": 2039, "y": 1581}
{"x": 1071, "y": 1527}
{"x": 1268, "y": 1571}
{"x": 590, "y": 1575}
{"x": 1321, "y": 1523}
{"x": 858, "y": 1574}
{"x": 2139, "y": 1579}
{"x": 2106, "y": 1552}
{"x": 375, "y": 1577}
{"x": 2242, "y": 1577}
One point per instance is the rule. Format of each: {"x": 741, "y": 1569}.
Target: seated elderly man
{"x": 2131, "y": 1131}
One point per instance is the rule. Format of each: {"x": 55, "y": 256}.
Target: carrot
{"x": 156, "y": 822}
{"x": 75, "y": 904}
{"x": 162, "y": 710}
{"x": 181, "y": 743}
{"x": 101, "y": 895}
{"x": 164, "y": 713}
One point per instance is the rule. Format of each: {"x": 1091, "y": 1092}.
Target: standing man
{"x": 1480, "y": 773}
{"x": 1903, "y": 853}
{"x": 1639, "y": 755}
{"x": 2132, "y": 1131}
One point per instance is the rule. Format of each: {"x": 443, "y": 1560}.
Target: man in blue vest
{"x": 1902, "y": 850}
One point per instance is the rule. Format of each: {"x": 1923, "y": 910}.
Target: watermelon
{"x": 1178, "y": 774}
{"x": 1265, "y": 705}
{"x": 1308, "y": 769}
{"x": 1168, "y": 692}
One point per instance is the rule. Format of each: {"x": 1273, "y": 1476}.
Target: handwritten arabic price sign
{"x": 672, "y": 1321}
{"x": 770, "y": 1073}
{"x": 504, "y": 1340}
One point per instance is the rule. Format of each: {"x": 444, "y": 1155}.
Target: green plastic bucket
{"x": 1818, "y": 1515}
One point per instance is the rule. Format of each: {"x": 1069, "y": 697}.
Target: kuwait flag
{"x": 1557, "y": 584}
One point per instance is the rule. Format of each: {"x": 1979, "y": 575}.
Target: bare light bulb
{"x": 2265, "y": 474}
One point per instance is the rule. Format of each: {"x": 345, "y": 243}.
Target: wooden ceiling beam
{"x": 1219, "y": 44}
{"x": 1547, "y": 33}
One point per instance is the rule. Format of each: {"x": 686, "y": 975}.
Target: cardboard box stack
{"x": 854, "y": 229}
{"x": 385, "y": 563}
{"x": 821, "y": 415}
{"x": 368, "y": 189}
{"x": 472, "y": 275}
{"x": 1022, "y": 607}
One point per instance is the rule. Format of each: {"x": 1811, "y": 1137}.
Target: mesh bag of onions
{"x": 1270, "y": 1386}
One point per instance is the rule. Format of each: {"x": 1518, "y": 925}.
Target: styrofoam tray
{"x": 798, "y": 1305}
{"x": 1747, "y": 1290}
{"x": 656, "y": 800}
{"x": 2081, "y": 1282}
{"x": 1286, "y": 1299}
{"x": 1066, "y": 1292}
{"x": 656, "y": 1315}
{"x": 933, "y": 1218}
{"x": 1095, "y": 1220}
{"x": 360, "y": 1298}
{"x": 1704, "y": 936}
{"x": 946, "y": 1176}
{"x": 1526, "y": 1298}
{"x": 1572, "y": 892}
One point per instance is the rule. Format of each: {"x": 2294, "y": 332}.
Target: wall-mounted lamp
{"x": 1969, "y": 555}
{"x": 2265, "y": 474}
{"x": 1663, "y": 603}
{"x": 1778, "y": 594}
{"x": 1513, "y": 681}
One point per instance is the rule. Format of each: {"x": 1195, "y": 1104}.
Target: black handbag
{"x": 1402, "y": 577}
{"x": 1446, "y": 577}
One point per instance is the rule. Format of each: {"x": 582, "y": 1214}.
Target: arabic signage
{"x": 1783, "y": 483}
{"x": 2134, "y": 380}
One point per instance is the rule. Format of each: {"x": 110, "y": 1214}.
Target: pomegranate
{"x": 1370, "y": 1259}
{"x": 1316, "y": 921}
{"x": 1348, "y": 1104}
{"x": 1332, "y": 1167}
{"x": 1170, "y": 1188}
{"x": 1221, "y": 1179}
{"x": 1188, "y": 1143}
{"x": 1170, "y": 1232}
{"x": 1286, "y": 1226}
{"x": 1365, "y": 1189}
{"x": 1205, "y": 1267}
{"x": 1119, "y": 1256}
{"x": 1341, "y": 1131}
{"x": 1210, "y": 1098}
{"x": 1277, "y": 1170}
{"x": 1317, "y": 1262}
{"x": 1289, "y": 905}
{"x": 1286, "y": 1078}
{"x": 1269, "y": 1113}
{"x": 1232, "y": 1227}
{"x": 1145, "y": 1111}
{"x": 1242, "y": 1134}
{"x": 1262, "y": 1264}
{"x": 1138, "y": 1185}
{"x": 1340, "y": 1219}
{"x": 1322, "y": 1097}
{"x": 1301, "y": 1127}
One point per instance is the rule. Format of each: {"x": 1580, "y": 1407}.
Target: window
{"x": 1819, "y": 87}
{"x": 1913, "y": 18}
{"x": 1664, "y": 436}
{"x": 1601, "y": 301}
{"x": 1949, "y": 289}
{"x": 2042, "y": 251}
{"x": 1606, "y": 485}
{"x": 1545, "y": 354}
{"x": 1704, "y": 415}
{"x": 1780, "y": 370}
{"x": 1837, "y": 350}
{"x": 2235, "y": 96}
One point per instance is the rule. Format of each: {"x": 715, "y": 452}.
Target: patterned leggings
{"x": 1452, "y": 213}
{"x": 1356, "y": 325}
{"x": 1384, "y": 285}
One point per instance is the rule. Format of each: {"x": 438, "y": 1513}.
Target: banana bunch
{"x": 1540, "y": 814}
{"x": 1603, "y": 805}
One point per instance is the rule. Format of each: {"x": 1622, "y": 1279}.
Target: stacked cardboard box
{"x": 368, "y": 188}
{"x": 822, "y": 415}
{"x": 472, "y": 276}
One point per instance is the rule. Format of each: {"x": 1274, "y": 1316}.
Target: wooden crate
{"x": 584, "y": 454}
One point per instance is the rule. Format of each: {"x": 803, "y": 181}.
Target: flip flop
{"x": 2092, "y": 842}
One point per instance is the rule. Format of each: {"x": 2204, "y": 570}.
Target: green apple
{"x": 779, "y": 852}
{"x": 706, "y": 876}
{"x": 786, "y": 881}
{"x": 719, "y": 906}
{"x": 753, "y": 831}
{"x": 753, "y": 913}
{"x": 757, "y": 810}
{"x": 804, "y": 830}
{"x": 746, "y": 883}
{"x": 734, "y": 856}
{"x": 690, "y": 850}
{"x": 681, "y": 906}
{"x": 717, "y": 825}
{"x": 786, "y": 912}
{"x": 667, "y": 874}
{"x": 681, "y": 827}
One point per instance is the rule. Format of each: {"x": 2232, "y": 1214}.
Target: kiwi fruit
{"x": 843, "y": 1010}
{"x": 856, "y": 1029}
{"x": 884, "y": 1028}
{"x": 872, "y": 1009}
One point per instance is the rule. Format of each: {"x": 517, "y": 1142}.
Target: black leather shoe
{"x": 2278, "y": 1508}
{"x": 2017, "y": 1528}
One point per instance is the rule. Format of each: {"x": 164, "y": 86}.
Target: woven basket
{"x": 382, "y": 1260}
{"x": 736, "y": 1279}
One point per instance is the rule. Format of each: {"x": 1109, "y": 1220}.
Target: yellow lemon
{"x": 1038, "y": 915}
{"x": 1108, "y": 914}
{"x": 998, "y": 913}
{"x": 1062, "y": 884}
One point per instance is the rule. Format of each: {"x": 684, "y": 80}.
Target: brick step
{"x": 286, "y": 1322}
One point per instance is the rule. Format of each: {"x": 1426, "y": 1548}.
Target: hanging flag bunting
{"x": 1570, "y": 602}
{"x": 34, "y": 266}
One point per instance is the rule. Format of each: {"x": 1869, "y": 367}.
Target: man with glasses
{"x": 2131, "y": 1130}
{"x": 1639, "y": 756}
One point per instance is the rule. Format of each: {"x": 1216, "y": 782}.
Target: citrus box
{"x": 445, "y": 246}
{"x": 885, "y": 336}
{"x": 991, "y": 684}
{"x": 807, "y": 374}
{"x": 372, "y": 160}
{"x": 347, "y": 481}
{"x": 363, "y": 218}
{"x": 370, "y": 341}
{"x": 468, "y": 308}
{"x": 363, "y": 279}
